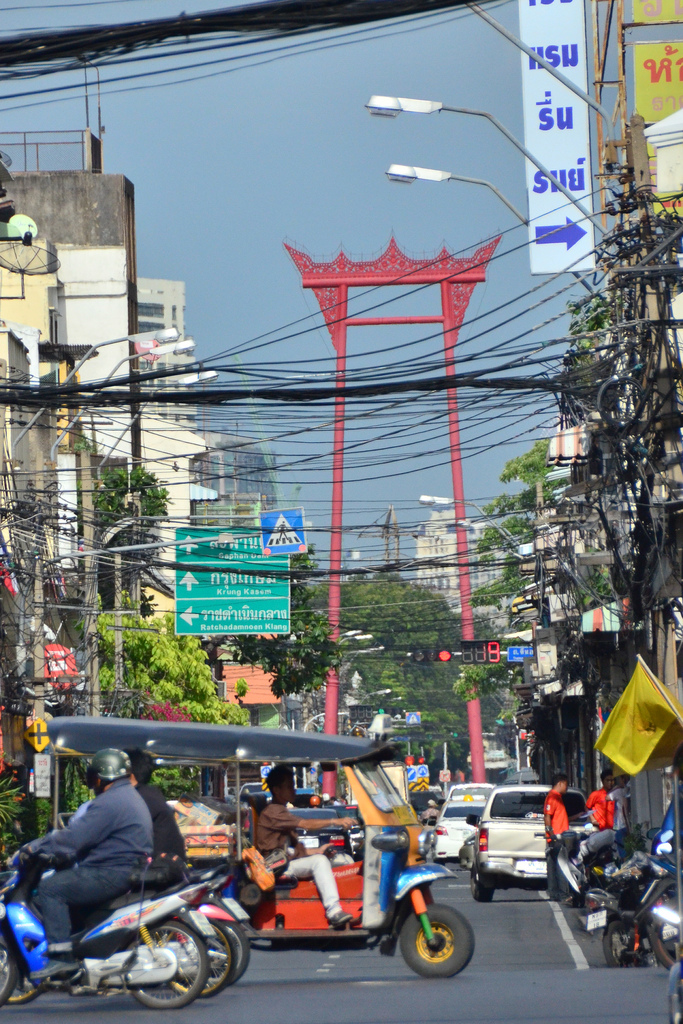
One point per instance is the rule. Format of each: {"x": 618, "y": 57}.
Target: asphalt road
{"x": 531, "y": 964}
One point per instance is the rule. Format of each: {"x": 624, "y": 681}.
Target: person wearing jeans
{"x": 277, "y": 831}
{"x": 556, "y": 822}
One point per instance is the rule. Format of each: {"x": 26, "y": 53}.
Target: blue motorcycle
{"x": 153, "y": 948}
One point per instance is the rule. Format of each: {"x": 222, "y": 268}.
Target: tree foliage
{"x": 117, "y": 489}
{"x": 168, "y": 674}
{"x": 513, "y": 514}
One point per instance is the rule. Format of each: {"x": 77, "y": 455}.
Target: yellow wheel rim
{"x": 443, "y": 954}
{"x": 18, "y": 996}
{"x": 214, "y": 982}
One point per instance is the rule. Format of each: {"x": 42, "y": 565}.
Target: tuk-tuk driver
{"x": 277, "y": 831}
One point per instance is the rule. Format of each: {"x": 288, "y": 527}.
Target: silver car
{"x": 509, "y": 851}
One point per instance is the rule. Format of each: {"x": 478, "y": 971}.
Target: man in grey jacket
{"x": 107, "y": 841}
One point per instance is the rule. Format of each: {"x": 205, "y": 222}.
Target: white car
{"x": 477, "y": 791}
{"x": 452, "y": 829}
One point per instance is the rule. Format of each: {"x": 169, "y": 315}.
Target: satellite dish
{"x": 17, "y": 227}
{"x": 27, "y": 259}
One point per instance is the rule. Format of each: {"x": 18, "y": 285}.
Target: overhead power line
{"x": 282, "y": 17}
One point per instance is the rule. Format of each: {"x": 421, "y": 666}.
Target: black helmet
{"x": 108, "y": 765}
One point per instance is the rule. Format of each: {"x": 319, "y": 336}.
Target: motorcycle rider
{"x": 108, "y": 841}
{"x": 601, "y": 816}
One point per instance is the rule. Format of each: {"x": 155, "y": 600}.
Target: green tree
{"x": 514, "y": 514}
{"x": 301, "y": 660}
{"x": 402, "y": 618}
{"x": 117, "y": 490}
{"x": 168, "y": 674}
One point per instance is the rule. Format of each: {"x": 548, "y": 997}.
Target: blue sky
{"x": 229, "y": 167}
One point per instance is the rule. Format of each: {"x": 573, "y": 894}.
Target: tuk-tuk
{"x": 388, "y": 893}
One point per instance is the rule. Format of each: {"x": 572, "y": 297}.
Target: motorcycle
{"x": 593, "y": 871}
{"x": 153, "y": 948}
{"x": 627, "y": 912}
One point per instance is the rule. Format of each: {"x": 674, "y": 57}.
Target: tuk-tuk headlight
{"x": 426, "y": 841}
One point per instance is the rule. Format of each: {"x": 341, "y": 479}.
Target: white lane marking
{"x": 333, "y": 956}
{"x": 579, "y": 959}
{"x": 322, "y": 970}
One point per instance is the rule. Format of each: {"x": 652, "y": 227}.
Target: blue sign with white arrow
{"x": 282, "y": 532}
{"x": 520, "y": 653}
{"x": 560, "y": 234}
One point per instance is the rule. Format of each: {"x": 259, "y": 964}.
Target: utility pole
{"x": 118, "y": 625}
{"x": 38, "y": 681}
{"x": 392, "y": 537}
{"x": 92, "y": 672}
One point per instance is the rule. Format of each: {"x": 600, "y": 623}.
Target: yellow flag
{"x": 644, "y": 727}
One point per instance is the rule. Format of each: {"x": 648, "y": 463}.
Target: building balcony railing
{"x": 53, "y": 151}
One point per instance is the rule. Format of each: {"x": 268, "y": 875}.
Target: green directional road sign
{"x": 225, "y": 584}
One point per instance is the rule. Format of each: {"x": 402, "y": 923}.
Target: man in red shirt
{"x": 601, "y": 816}
{"x": 556, "y": 822}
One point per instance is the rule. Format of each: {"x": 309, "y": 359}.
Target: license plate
{"x": 669, "y": 931}
{"x": 235, "y": 909}
{"x": 598, "y": 919}
{"x": 309, "y": 842}
{"x": 532, "y": 867}
{"x": 201, "y": 923}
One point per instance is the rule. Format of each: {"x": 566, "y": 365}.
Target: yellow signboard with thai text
{"x": 653, "y": 12}
{"x": 658, "y": 74}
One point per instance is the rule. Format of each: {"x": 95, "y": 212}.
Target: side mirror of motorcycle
{"x": 652, "y": 832}
{"x": 472, "y": 819}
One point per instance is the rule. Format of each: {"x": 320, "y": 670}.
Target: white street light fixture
{"x": 405, "y": 175}
{"x": 158, "y": 337}
{"x": 392, "y": 106}
{"x": 198, "y": 378}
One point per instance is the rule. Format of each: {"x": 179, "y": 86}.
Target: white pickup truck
{"x": 509, "y": 849}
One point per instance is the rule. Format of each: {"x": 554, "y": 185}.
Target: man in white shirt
{"x": 620, "y": 795}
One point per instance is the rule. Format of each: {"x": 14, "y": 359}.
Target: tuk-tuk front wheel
{"x": 446, "y": 957}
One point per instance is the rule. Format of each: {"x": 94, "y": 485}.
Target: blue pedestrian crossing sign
{"x": 282, "y": 532}
{"x": 413, "y": 717}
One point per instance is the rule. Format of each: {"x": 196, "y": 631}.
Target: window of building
{"x": 149, "y": 325}
{"x": 151, "y": 309}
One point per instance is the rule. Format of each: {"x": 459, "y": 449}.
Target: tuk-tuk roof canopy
{"x": 198, "y": 741}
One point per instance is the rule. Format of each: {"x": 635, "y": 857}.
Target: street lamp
{"x": 170, "y": 348}
{"x": 405, "y": 175}
{"x": 203, "y": 377}
{"x": 392, "y": 106}
{"x": 166, "y": 334}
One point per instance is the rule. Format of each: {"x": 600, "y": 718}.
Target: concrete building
{"x": 161, "y": 304}
{"x": 242, "y": 473}
{"x": 436, "y": 540}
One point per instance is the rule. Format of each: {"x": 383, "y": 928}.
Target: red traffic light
{"x": 445, "y": 655}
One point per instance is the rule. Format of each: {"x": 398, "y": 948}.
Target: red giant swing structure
{"x": 330, "y": 282}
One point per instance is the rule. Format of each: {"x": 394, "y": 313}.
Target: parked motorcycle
{"x": 594, "y": 871}
{"x": 153, "y": 948}
{"x": 626, "y": 911}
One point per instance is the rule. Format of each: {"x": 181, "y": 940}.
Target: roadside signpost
{"x": 282, "y": 532}
{"x": 226, "y": 584}
{"x": 42, "y": 767}
{"x": 520, "y": 653}
{"x": 37, "y": 736}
